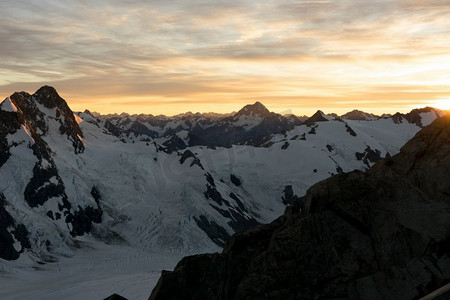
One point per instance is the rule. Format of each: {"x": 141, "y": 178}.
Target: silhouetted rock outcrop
{"x": 382, "y": 234}
{"x": 115, "y": 297}
{"x": 9, "y": 233}
{"x": 359, "y": 115}
{"x": 256, "y": 109}
{"x": 35, "y": 118}
{"x": 369, "y": 156}
{"x": 414, "y": 116}
{"x": 319, "y": 116}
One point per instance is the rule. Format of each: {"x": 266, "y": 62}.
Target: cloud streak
{"x": 299, "y": 55}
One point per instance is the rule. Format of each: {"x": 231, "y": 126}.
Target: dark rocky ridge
{"x": 382, "y": 234}
{"x": 230, "y": 129}
{"x": 359, "y": 115}
{"x": 226, "y": 133}
{"x": 203, "y": 129}
{"x": 9, "y": 232}
{"x": 317, "y": 117}
{"x": 368, "y": 156}
{"x": 34, "y": 118}
{"x": 9, "y": 124}
{"x": 257, "y": 109}
{"x": 413, "y": 116}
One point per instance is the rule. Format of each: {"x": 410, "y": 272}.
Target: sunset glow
{"x": 442, "y": 104}
{"x": 169, "y": 57}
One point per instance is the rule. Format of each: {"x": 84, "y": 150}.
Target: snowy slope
{"x": 118, "y": 206}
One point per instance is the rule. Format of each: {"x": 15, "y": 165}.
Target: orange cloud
{"x": 168, "y": 57}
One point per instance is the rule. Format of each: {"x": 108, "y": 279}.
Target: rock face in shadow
{"x": 11, "y": 234}
{"x": 9, "y": 124}
{"x": 382, "y": 234}
{"x": 319, "y": 116}
{"x": 35, "y": 119}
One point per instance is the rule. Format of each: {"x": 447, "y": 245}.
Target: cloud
{"x": 226, "y": 52}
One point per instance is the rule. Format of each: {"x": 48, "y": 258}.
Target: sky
{"x": 169, "y": 57}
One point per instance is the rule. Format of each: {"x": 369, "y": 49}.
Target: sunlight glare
{"x": 443, "y": 104}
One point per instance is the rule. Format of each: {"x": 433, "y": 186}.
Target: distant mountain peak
{"x": 256, "y": 109}
{"x": 293, "y": 119}
{"x": 259, "y": 104}
{"x": 359, "y": 115}
{"x": 319, "y": 116}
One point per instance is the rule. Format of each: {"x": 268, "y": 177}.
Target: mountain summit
{"x": 359, "y": 115}
{"x": 44, "y": 109}
{"x": 319, "y": 116}
{"x": 255, "y": 110}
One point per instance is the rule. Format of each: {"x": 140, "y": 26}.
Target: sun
{"x": 443, "y": 104}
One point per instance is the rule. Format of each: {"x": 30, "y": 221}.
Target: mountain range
{"x": 380, "y": 234}
{"x": 139, "y": 191}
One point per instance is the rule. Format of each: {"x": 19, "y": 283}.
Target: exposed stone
{"x": 81, "y": 219}
{"x": 187, "y": 154}
{"x": 40, "y": 188}
{"x": 239, "y": 202}
{"x": 369, "y": 156}
{"x": 115, "y": 297}
{"x": 7, "y": 250}
{"x": 9, "y": 232}
{"x": 288, "y": 195}
{"x": 313, "y": 129}
{"x": 210, "y": 179}
{"x": 235, "y": 180}
{"x": 285, "y": 146}
{"x": 214, "y": 231}
{"x": 9, "y": 124}
{"x": 350, "y": 130}
{"x": 137, "y": 129}
{"x": 175, "y": 143}
{"x": 359, "y": 115}
{"x": 317, "y": 117}
{"x": 49, "y": 98}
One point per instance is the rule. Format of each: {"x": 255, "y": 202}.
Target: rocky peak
{"x": 319, "y": 116}
{"x": 359, "y": 115}
{"x": 37, "y": 120}
{"x": 49, "y": 97}
{"x": 256, "y": 110}
{"x": 415, "y": 116}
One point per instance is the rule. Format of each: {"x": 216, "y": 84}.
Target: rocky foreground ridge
{"x": 380, "y": 234}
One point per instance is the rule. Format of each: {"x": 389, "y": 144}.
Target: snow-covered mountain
{"x": 359, "y": 115}
{"x": 142, "y": 186}
{"x": 181, "y": 131}
{"x": 380, "y": 234}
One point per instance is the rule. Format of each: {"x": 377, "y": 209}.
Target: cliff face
{"x": 382, "y": 234}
